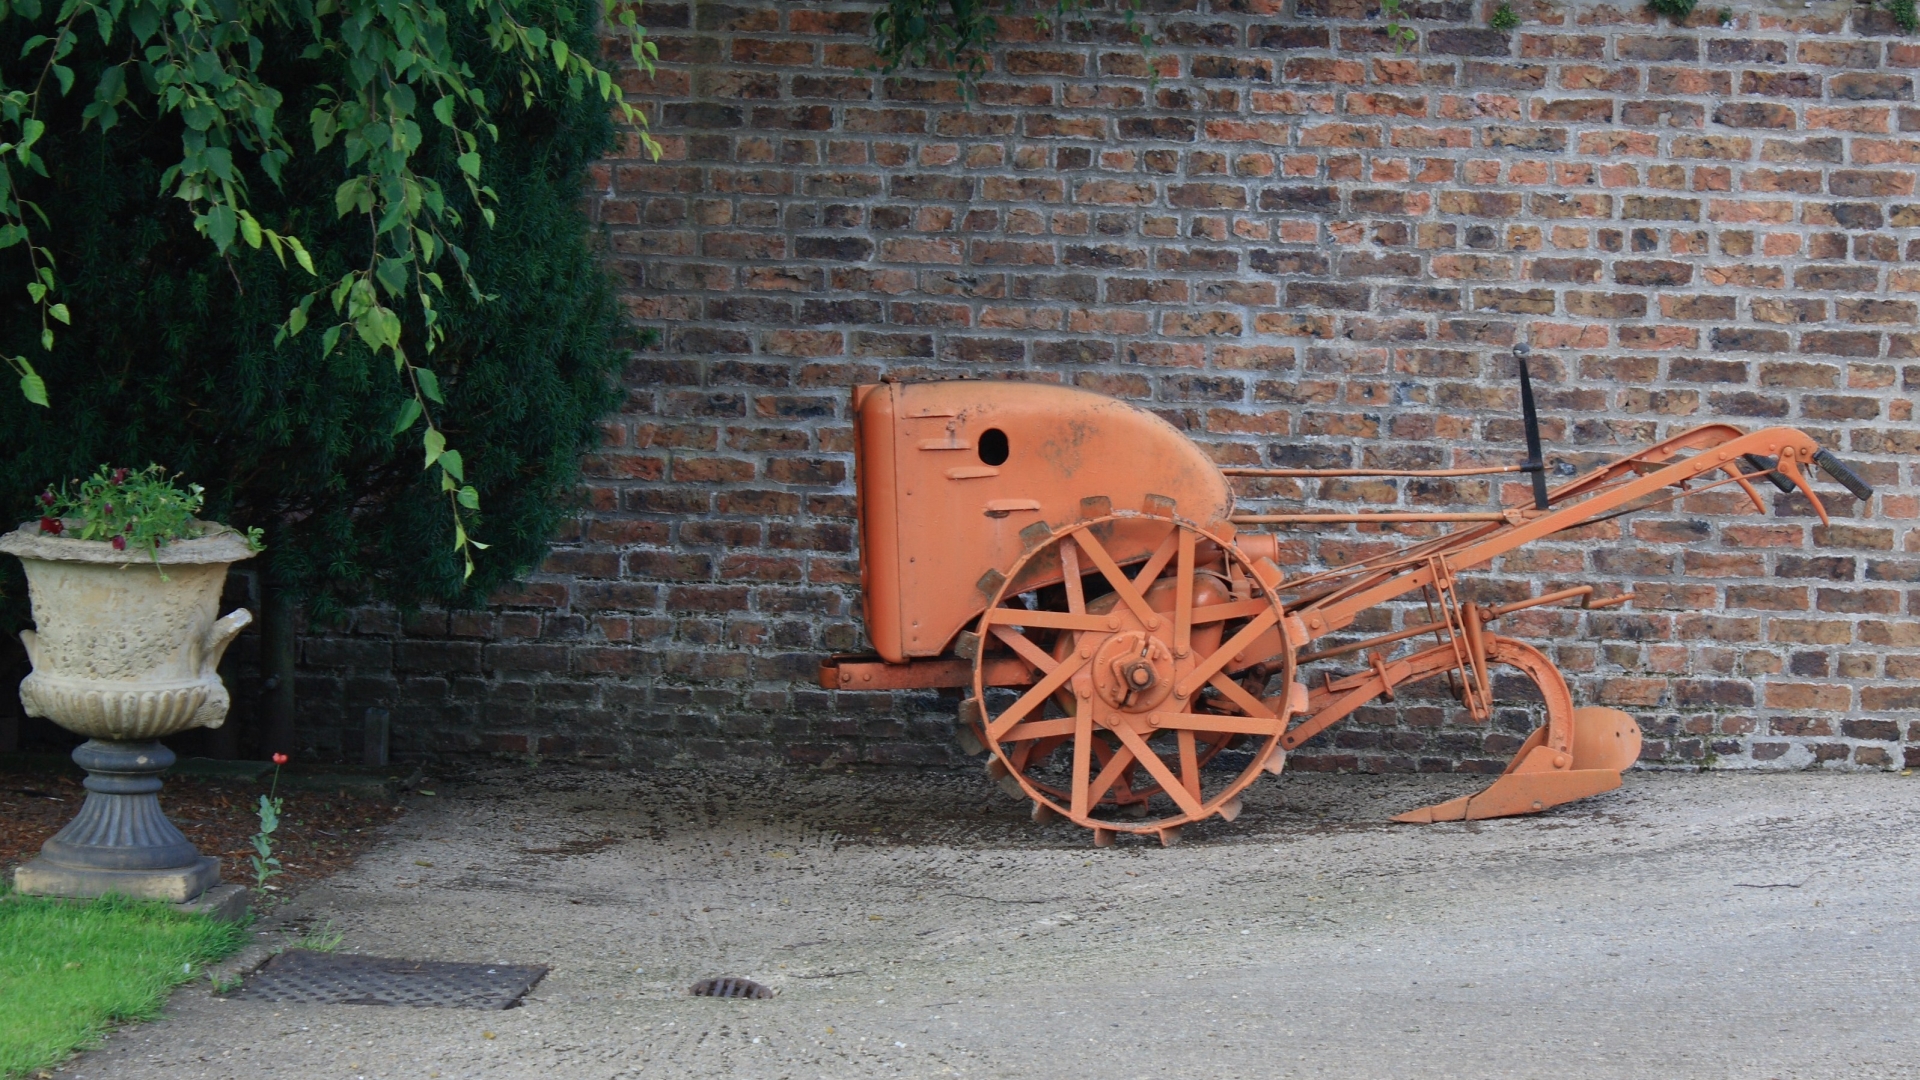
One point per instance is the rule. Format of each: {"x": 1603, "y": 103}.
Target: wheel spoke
{"x": 1031, "y": 653}
{"x": 1116, "y": 577}
{"x": 1225, "y": 653}
{"x": 1217, "y": 722}
{"x": 1038, "y": 729}
{"x": 1122, "y": 758}
{"x": 1168, "y": 782}
{"x": 1082, "y": 751}
{"x": 1189, "y": 767}
{"x": 1183, "y": 597}
{"x": 1237, "y": 694}
{"x": 1070, "y": 577}
{"x": 1050, "y": 620}
{"x": 1150, "y": 571}
{"x": 1033, "y": 698}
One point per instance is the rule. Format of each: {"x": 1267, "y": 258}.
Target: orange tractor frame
{"x": 1074, "y": 563}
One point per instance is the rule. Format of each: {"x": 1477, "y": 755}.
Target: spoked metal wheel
{"x": 1133, "y": 691}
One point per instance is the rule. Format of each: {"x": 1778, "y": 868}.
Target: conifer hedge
{"x": 176, "y": 361}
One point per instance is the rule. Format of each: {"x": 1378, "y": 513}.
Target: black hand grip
{"x": 1842, "y": 475}
{"x": 1766, "y": 465}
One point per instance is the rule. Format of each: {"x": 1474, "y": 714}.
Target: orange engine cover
{"x": 949, "y": 473}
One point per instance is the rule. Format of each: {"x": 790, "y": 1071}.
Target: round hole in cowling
{"x": 993, "y": 446}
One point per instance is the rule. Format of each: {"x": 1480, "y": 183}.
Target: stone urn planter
{"x": 124, "y": 652}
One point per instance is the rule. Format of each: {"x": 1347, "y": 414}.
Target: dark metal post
{"x": 1536, "y": 460}
{"x": 277, "y": 653}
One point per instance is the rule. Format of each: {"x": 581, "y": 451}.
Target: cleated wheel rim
{"x": 1134, "y": 693}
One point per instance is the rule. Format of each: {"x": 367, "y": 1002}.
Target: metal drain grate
{"x": 729, "y": 987}
{"x": 301, "y": 977}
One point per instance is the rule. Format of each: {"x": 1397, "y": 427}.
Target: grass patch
{"x": 70, "y": 971}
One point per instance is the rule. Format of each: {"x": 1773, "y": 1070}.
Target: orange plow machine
{"x": 1074, "y": 564}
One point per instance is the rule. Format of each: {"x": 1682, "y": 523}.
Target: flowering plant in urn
{"x": 125, "y": 584}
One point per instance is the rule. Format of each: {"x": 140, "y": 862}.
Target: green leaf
{"x": 470, "y": 164}
{"x": 443, "y": 110}
{"x": 435, "y": 443}
{"x": 32, "y": 386}
{"x": 450, "y": 461}
{"x": 409, "y": 412}
{"x": 469, "y": 497}
{"x": 30, "y": 132}
{"x": 250, "y": 230}
{"x": 347, "y": 196}
{"x": 429, "y": 385}
{"x": 330, "y": 339}
{"x": 219, "y": 225}
{"x": 300, "y": 256}
{"x": 64, "y": 74}
{"x": 59, "y": 311}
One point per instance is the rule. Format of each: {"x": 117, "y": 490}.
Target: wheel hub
{"x": 1133, "y": 671}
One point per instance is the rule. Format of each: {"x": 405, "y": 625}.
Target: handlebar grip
{"x": 1766, "y": 465}
{"x": 1842, "y": 475}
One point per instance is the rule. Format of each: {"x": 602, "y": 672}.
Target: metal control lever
{"x": 1535, "y": 464}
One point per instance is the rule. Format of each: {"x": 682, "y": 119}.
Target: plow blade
{"x": 1605, "y": 742}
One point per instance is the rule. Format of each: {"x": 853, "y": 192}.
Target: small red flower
{"x": 119, "y": 543}
{"x": 279, "y": 759}
{"x": 119, "y": 476}
{"x": 51, "y": 525}
{"x": 46, "y": 498}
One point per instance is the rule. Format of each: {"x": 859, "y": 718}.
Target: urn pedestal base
{"x": 120, "y": 842}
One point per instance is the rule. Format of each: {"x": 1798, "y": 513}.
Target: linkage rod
{"x": 1388, "y": 516}
{"x": 1487, "y": 615}
{"x": 1484, "y": 470}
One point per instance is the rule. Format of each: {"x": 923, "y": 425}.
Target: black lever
{"x": 1842, "y": 475}
{"x": 1762, "y": 463}
{"x": 1530, "y": 418}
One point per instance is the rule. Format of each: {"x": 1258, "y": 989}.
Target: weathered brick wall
{"x": 1301, "y": 247}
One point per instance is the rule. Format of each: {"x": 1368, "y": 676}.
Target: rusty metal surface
{"x": 1123, "y": 632}
{"x": 949, "y": 474}
{"x": 304, "y": 977}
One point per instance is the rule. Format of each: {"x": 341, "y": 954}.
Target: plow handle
{"x": 1842, "y": 475}
{"x": 1769, "y": 466}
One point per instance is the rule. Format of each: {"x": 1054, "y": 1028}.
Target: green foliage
{"x": 1402, "y": 36}
{"x": 144, "y": 510}
{"x": 1677, "y": 10}
{"x": 956, "y": 35}
{"x": 386, "y": 81}
{"x": 1904, "y": 15}
{"x": 69, "y": 971}
{"x": 182, "y": 360}
{"x": 266, "y": 865}
{"x": 1504, "y": 18}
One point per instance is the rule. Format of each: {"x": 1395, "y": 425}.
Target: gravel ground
{"x": 916, "y": 924}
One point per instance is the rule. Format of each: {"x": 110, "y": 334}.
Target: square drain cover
{"x": 303, "y": 977}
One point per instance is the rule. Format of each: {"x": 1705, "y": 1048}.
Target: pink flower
{"x": 51, "y": 525}
{"x": 119, "y": 543}
{"x": 279, "y": 759}
{"x": 46, "y": 497}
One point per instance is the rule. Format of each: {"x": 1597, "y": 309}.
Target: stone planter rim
{"x": 216, "y": 544}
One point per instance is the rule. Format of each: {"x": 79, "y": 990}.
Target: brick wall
{"x": 1301, "y": 247}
